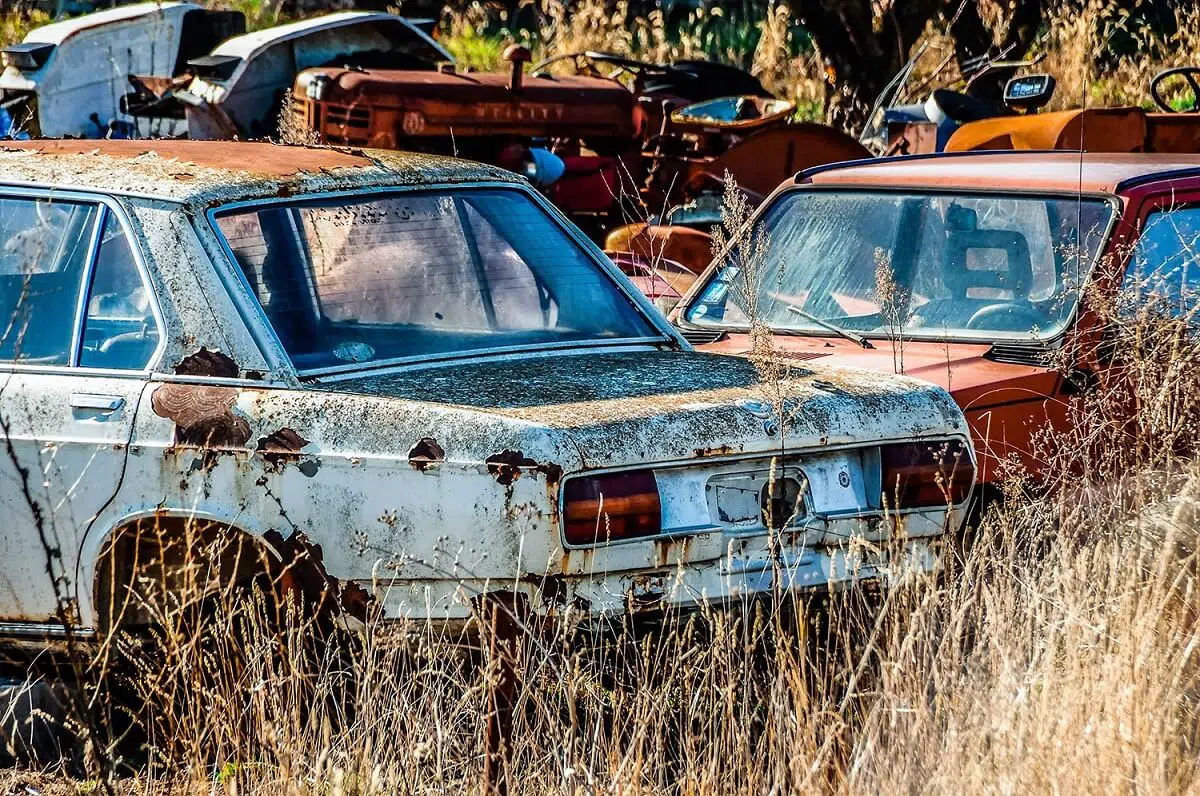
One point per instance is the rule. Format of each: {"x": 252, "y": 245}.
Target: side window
{"x": 1165, "y": 267}
{"x": 44, "y": 247}
{"x": 119, "y": 332}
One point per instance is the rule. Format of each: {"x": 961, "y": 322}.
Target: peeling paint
{"x": 204, "y": 416}
{"x": 207, "y": 363}
{"x": 283, "y": 446}
{"x": 424, "y": 453}
{"x": 506, "y": 465}
{"x": 303, "y": 565}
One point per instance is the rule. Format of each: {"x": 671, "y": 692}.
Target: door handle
{"x": 102, "y": 403}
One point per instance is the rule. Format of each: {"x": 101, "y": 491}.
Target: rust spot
{"x": 304, "y": 568}
{"x": 207, "y": 363}
{"x": 426, "y": 452}
{"x": 551, "y": 588}
{"x": 723, "y": 450}
{"x": 645, "y": 592}
{"x": 284, "y": 446}
{"x": 285, "y": 440}
{"x": 203, "y": 415}
{"x": 671, "y": 551}
{"x": 553, "y": 473}
{"x": 506, "y": 465}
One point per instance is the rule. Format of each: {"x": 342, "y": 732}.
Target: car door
{"x": 78, "y": 335}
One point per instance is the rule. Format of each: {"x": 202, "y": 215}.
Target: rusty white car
{"x": 67, "y": 78}
{"x": 414, "y": 375}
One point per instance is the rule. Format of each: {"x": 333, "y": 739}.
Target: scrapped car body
{"x": 411, "y": 370}
{"x": 66, "y": 78}
{"x": 992, "y": 264}
{"x": 238, "y": 90}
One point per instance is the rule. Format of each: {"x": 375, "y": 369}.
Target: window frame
{"x": 689, "y": 299}
{"x": 1157, "y": 204}
{"x": 256, "y": 319}
{"x": 105, "y": 205}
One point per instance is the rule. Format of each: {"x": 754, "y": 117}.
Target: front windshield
{"x": 933, "y": 265}
{"x": 366, "y": 279}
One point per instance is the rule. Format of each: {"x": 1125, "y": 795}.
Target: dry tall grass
{"x": 764, "y": 46}
{"x": 1077, "y": 38}
{"x": 1056, "y": 653}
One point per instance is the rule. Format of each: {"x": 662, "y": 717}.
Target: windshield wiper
{"x": 846, "y": 333}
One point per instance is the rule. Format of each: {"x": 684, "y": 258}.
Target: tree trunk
{"x": 973, "y": 38}
{"x": 861, "y": 55}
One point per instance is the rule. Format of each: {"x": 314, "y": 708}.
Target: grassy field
{"x": 1057, "y": 652}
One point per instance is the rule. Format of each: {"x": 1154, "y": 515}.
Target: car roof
{"x": 58, "y": 32}
{"x": 1089, "y": 172}
{"x": 247, "y": 44}
{"x": 206, "y": 173}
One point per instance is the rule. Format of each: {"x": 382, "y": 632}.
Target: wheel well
{"x": 154, "y": 566}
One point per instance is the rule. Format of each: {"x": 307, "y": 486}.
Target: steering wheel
{"x": 1008, "y": 311}
{"x": 585, "y": 63}
{"x": 1189, "y": 73}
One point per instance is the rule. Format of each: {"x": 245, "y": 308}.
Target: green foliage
{"x": 473, "y": 49}
{"x": 259, "y": 13}
{"x": 16, "y": 22}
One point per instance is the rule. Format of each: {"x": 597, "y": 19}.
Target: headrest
{"x": 1015, "y": 277}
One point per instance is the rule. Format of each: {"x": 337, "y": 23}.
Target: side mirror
{"x": 1029, "y": 92}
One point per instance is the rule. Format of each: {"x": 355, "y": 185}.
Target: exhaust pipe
{"x": 518, "y": 56}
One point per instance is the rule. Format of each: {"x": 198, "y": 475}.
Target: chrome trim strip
{"x": 85, "y": 288}
{"x": 26, "y": 185}
{"x": 44, "y": 629}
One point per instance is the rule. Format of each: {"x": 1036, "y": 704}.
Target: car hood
{"x": 653, "y": 406}
{"x": 975, "y": 378}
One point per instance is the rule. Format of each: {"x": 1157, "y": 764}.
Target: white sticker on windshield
{"x": 353, "y": 352}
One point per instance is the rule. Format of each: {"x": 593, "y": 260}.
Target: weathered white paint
{"x": 94, "y": 54}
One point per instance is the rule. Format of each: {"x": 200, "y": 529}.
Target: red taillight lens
{"x": 610, "y": 507}
{"x": 924, "y": 474}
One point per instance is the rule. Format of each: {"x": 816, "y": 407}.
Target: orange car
{"x": 965, "y": 270}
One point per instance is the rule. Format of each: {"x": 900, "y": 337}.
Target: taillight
{"x": 605, "y": 508}
{"x": 924, "y": 474}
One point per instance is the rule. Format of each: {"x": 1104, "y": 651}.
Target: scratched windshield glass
{"x": 933, "y": 265}
{"x": 354, "y": 280}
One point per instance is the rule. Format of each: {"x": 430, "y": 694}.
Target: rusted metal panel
{"x": 202, "y": 173}
{"x": 1089, "y": 172}
{"x": 384, "y": 108}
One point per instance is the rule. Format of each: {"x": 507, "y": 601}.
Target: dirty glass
{"x": 376, "y": 278}
{"x": 1164, "y": 271}
{"x": 44, "y": 247}
{"x": 119, "y": 332}
{"x": 933, "y": 265}
{"x": 372, "y": 44}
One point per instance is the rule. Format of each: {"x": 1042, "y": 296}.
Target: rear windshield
{"x": 351, "y": 280}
